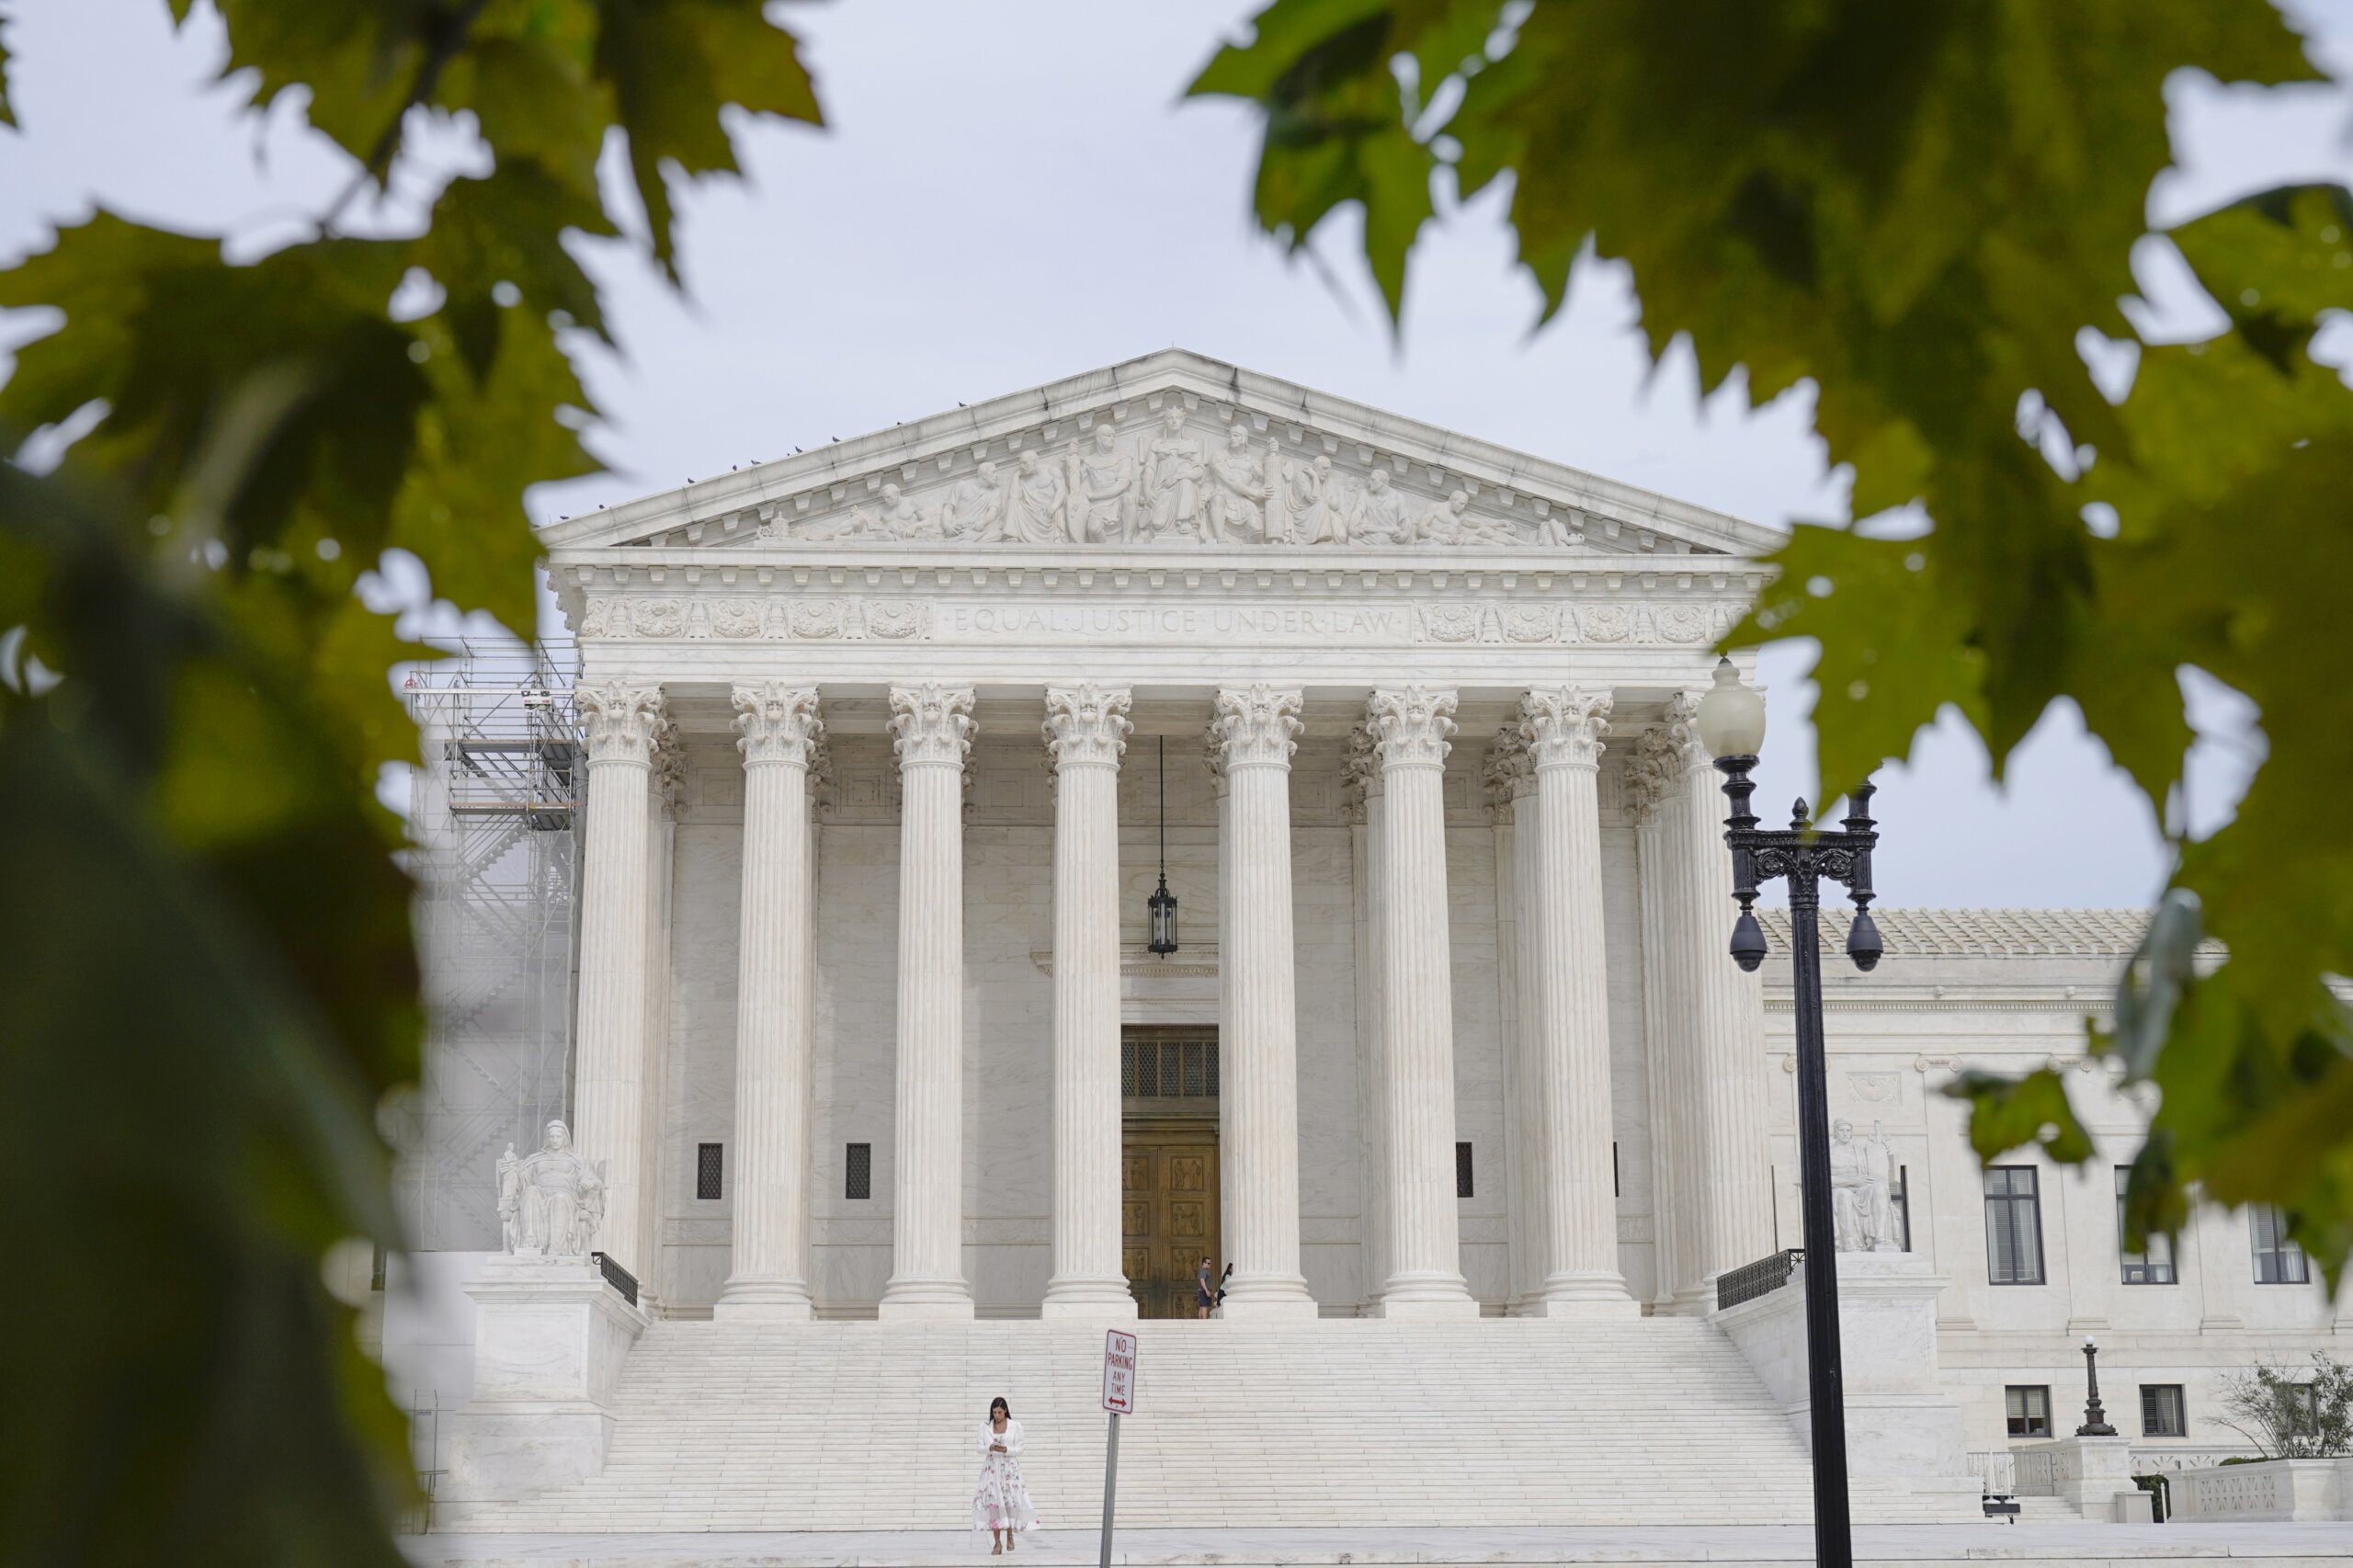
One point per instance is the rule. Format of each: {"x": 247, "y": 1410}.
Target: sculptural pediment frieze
{"x": 1172, "y": 452}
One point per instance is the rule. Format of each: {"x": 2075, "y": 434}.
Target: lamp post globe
{"x": 1732, "y": 716}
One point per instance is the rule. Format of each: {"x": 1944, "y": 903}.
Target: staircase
{"x": 866, "y": 1425}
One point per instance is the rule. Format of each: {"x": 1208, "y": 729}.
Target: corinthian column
{"x": 1511, "y": 789}
{"x": 624, "y": 723}
{"x": 1086, "y": 730}
{"x": 932, "y": 726}
{"x": 1709, "y": 1026}
{"x": 1254, "y": 732}
{"x": 779, "y": 727}
{"x": 1363, "y": 792}
{"x": 1409, "y": 729}
{"x": 1563, "y": 728}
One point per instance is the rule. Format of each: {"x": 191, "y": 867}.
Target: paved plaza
{"x": 1916, "y": 1546}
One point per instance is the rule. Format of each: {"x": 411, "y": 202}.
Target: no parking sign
{"x": 1119, "y": 1372}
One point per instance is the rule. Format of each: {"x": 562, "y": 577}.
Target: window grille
{"x": 2013, "y": 1226}
{"x": 1462, "y": 1170}
{"x": 2278, "y": 1260}
{"x": 2161, "y": 1415}
{"x": 858, "y": 1171}
{"x": 2153, "y": 1267}
{"x": 1168, "y": 1067}
{"x": 2028, "y": 1407}
{"x": 707, "y": 1162}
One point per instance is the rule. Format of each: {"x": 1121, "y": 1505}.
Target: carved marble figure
{"x": 1452, "y": 522}
{"x": 1863, "y": 1204}
{"x": 903, "y": 516}
{"x": 1037, "y": 503}
{"x": 1173, "y": 471}
{"x": 551, "y": 1202}
{"x": 1102, "y": 489}
{"x": 1379, "y": 516}
{"x": 1238, "y": 490}
{"x": 975, "y": 506}
{"x": 1305, "y": 503}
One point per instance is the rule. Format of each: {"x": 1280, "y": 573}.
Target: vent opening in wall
{"x": 858, "y": 1171}
{"x": 1463, "y": 1171}
{"x": 709, "y": 1161}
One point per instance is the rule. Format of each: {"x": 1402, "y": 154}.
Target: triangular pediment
{"x": 1171, "y": 450}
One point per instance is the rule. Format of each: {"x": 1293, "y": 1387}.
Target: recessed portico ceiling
{"x": 1312, "y": 465}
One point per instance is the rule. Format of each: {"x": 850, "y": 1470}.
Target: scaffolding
{"x": 491, "y": 811}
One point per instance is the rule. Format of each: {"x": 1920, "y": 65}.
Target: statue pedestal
{"x": 549, "y": 1338}
{"x": 1906, "y": 1452}
{"x": 2091, "y": 1472}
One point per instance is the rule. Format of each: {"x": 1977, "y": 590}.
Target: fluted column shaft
{"x": 932, "y": 727}
{"x": 1086, "y": 732}
{"x": 1255, "y": 730}
{"x": 1667, "y": 971}
{"x": 1724, "y": 1017}
{"x": 1410, "y": 727}
{"x": 624, "y": 724}
{"x": 1513, "y": 780}
{"x": 778, "y": 726}
{"x": 1363, "y": 787}
{"x": 1564, "y": 728}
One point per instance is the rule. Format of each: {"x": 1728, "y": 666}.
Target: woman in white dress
{"x": 1001, "y": 1502}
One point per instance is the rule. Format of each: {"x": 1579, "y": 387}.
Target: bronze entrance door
{"x": 1168, "y": 1171}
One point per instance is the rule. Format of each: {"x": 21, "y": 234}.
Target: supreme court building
{"x": 888, "y": 745}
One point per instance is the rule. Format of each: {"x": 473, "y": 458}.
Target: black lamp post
{"x": 1162, "y": 905}
{"x": 1731, "y": 726}
{"x": 2095, "y": 1418}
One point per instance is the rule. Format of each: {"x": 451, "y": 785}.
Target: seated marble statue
{"x": 551, "y": 1202}
{"x": 1862, "y": 1206}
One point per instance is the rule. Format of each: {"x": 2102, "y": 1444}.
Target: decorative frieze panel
{"x": 730, "y": 617}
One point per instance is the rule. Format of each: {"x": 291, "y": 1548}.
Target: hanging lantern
{"x": 1162, "y": 904}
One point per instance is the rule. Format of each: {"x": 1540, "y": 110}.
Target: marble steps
{"x": 727, "y": 1426}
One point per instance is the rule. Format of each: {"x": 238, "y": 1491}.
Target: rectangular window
{"x": 2153, "y": 1267}
{"x": 2028, "y": 1408}
{"x": 1901, "y": 1201}
{"x": 2013, "y": 1226}
{"x": 2161, "y": 1411}
{"x": 1462, "y": 1170}
{"x": 858, "y": 1168}
{"x": 708, "y": 1163}
{"x": 2278, "y": 1260}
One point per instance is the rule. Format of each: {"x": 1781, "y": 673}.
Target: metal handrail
{"x": 1762, "y": 1278}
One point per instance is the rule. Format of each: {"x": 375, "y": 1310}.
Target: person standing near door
{"x": 1205, "y": 1287}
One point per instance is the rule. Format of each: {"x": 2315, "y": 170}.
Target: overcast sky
{"x": 1010, "y": 193}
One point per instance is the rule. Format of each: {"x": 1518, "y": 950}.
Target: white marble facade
{"x": 1476, "y": 894}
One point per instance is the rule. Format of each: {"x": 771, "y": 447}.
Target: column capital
{"x": 1086, "y": 725}
{"x": 1213, "y": 758}
{"x": 669, "y": 764}
{"x": 1360, "y": 776}
{"x": 931, "y": 724}
{"x": 1507, "y": 772}
{"x": 1410, "y": 725}
{"x": 1255, "y": 726}
{"x": 624, "y": 721}
{"x": 1662, "y": 753}
{"x": 777, "y": 723}
{"x": 1563, "y": 725}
